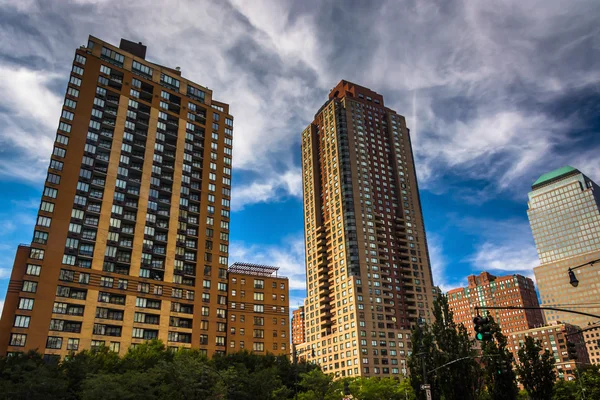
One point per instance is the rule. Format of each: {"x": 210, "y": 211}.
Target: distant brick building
{"x": 554, "y": 337}
{"x": 258, "y": 309}
{"x": 489, "y": 290}
{"x": 298, "y": 326}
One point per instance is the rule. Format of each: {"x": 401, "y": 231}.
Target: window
{"x": 18, "y": 339}
{"x": 141, "y": 68}
{"x": 25, "y": 303}
{"x": 50, "y": 192}
{"x": 259, "y": 308}
{"x": 258, "y": 346}
{"x": 113, "y": 56}
{"x": 80, "y": 59}
{"x": 36, "y": 254}
{"x": 83, "y": 277}
{"x": 40, "y": 237}
{"x": 44, "y": 221}
{"x": 195, "y": 93}
{"x": 67, "y": 115}
{"x": 72, "y": 344}
{"x": 70, "y": 103}
{"x": 259, "y": 284}
{"x": 73, "y": 92}
{"x": 22, "y": 321}
{"x": 53, "y": 178}
{"x": 54, "y": 342}
{"x": 33, "y": 269}
{"x": 62, "y": 139}
{"x": 259, "y": 296}
{"x": 56, "y": 165}
{"x": 59, "y": 152}
{"x": 75, "y": 81}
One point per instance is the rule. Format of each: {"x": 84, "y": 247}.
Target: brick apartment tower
{"x": 258, "y": 308}
{"x": 131, "y": 241}
{"x": 564, "y": 214}
{"x": 489, "y": 290}
{"x": 298, "y": 336}
{"x": 367, "y": 266}
{"x": 554, "y": 337}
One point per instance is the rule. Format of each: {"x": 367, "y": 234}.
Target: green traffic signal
{"x": 483, "y": 328}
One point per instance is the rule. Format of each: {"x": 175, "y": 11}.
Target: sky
{"x": 495, "y": 93}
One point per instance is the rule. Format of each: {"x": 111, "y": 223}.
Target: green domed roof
{"x": 548, "y": 176}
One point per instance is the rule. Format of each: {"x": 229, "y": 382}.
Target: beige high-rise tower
{"x": 564, "y": 213}
{"x": 132, "y": 235}
{"x": 367, "y": 266}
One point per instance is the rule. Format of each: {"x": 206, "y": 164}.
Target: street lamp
{"x": 572, "y": 278}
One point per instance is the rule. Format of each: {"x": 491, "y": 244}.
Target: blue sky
{"x": 495, "y": 94}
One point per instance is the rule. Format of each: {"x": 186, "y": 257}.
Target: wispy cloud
{"x": 442, "y": 277}
{"x": 477, "y": 91}
{"x": 288, "y": 256}
{"x": 505, "y": 246}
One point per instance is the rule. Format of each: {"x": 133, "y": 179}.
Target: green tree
{"x": 565, "y": 390}
{"x": 439, "y": 344}
{"x": 381, "y": 389}
{"x": 77, "y": 367}
{"x": 316, "y": 385}
{"x": 536, "y": 370}
{"x": 500, "y": 377}
{"x": 588, "y": 378}
{"x": 145, "y": 356}
{"x": 28, "y": 377}
{"x": 130, "y": 385}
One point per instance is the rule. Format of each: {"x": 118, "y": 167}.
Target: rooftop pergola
{"x": 254, "y": 269}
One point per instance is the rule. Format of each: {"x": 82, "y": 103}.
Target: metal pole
{"x": 427, "y": 387}
{"x": 477, "y": 308}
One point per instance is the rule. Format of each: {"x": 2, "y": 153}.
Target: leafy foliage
{"x": 536, "y": 370}
{"x": 439, "y": 344}
{"x": 500, "y": 377}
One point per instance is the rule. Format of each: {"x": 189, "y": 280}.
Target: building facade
{"x": 564, "y": 215}
{"x": 298, "y": 326}
{"x": 554, "y": 338}
{"x": 367, "y": 265}
{"x": 258, "y": 308}
{"x": 131, "y": 239}
{"x": 489, "y": 290}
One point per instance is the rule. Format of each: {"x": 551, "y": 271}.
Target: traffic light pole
{"x": 477, "y": 308}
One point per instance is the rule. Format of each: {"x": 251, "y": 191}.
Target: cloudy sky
{"x": 495, "y": 93}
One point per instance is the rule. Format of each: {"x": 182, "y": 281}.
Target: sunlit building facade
{"x": 564, "y": 213}
{"x": 131, "y": 240}
{"x": 367, "y": 266}
{"x": 486, "y": 290}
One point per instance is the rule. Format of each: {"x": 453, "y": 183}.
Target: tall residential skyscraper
{"x": 564, "y": 213}
{"x": 489, "y": 290}
{"x": 367, "y": 267}
{"x": 131, "y": 240}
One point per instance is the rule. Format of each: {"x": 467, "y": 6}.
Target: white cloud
{"x": 507, "y": 246}
{"x": 288, "y": 183}
{"x": 470, "y": 87}
{"x": 29, "y": 122}
{"x": 508, "y": 257}
{"x": 288, "y": 256}
{"x": 442, "y": 277}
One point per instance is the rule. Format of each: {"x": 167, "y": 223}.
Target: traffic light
{"x": 502, "y": 366}
{"x": 572, "y": 350}
{"x": 483, "y": 328}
